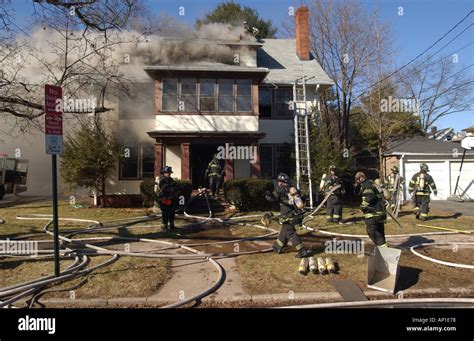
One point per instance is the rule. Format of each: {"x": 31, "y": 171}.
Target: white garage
{"x": 443, "y": 159}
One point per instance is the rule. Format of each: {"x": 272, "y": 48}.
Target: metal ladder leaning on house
{"x": 301, "y": 127}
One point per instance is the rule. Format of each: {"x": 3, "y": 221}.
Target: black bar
{"x": 54, "y": 173}
{"x": 460, "y": 169}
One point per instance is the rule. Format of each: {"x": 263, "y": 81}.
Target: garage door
{"x": 466, "y": 180}
{"x": 439, "y": 173}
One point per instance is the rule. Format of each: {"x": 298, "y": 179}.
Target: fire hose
{"x": 35, "y": 286}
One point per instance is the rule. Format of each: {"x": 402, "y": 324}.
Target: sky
{"x": 422, "y": 23}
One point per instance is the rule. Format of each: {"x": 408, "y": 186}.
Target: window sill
{"x": 219, "y": 113}
{"x": 276, "y": 118}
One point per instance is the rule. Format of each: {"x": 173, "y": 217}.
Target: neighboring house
{"x": 201, "y": 105}
{"x": 445, "y": 134}
{"x": 442, "y": 158}
{"x": 469, "y": 131}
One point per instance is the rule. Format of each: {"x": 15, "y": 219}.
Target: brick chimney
{"x": 302, "y": 33}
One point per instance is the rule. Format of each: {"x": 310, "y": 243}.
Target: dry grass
{"x": 272, "y": 273}
{"x": 127, "y": 277}
{"x": 406, "y": 219}
{"x": 17, "y": 270}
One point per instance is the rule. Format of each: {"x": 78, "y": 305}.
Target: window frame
{"x": 274, "y": 167}
{"x": 178, "y": 90}
{"x": 140, "y": 158}
{"x": 217, "y": 111}
{"x": 215, "y": 95}
{"x": 273, "y": 104}
{"x": 236, "y": 94}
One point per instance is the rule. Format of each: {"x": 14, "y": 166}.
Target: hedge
{"x": 147, "y": 189}
{"x": 248, "y": 194}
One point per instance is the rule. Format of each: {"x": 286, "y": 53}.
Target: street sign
{"x": 53, "y": 127}
{"x": 53, "y": 130}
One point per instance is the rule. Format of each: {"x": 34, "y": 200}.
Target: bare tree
{"x": 71, "y": 46}
{"x": 346, "y": 40}
{"x": 441, "y": 87}
{"x": 380, "y": 122}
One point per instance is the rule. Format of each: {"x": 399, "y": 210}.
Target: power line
{"x": 434, "y": 54}
{"x": 420, "y": 54}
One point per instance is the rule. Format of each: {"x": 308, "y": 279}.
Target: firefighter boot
{"x": 277, "y": 248}
{"x": 303, "y": 253}
{"x": 417, "y": 213}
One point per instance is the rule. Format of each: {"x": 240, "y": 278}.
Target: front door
{"x": 201, "y": 155}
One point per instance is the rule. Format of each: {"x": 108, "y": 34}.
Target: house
{"x": 181, "y": 111}
{"x": 197, "y": 106}
{"x": 443, "y": 160}
{"x": 445, "y": 134}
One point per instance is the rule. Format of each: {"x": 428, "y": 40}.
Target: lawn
{"x": 278, "y": 274}
{"x": 127, "y": 277}
{"x": 260, "y": 273}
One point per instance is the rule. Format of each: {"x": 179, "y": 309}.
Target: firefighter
{"x": 167, "y": 196}
{"x": 215, "y": 174}
{"x": 420, "y": 188}
{"x": 373, "y": 208}
{"x": 334, "y": 202}
{"x": 391, "y": 183}
{"x": 291, "y": 214}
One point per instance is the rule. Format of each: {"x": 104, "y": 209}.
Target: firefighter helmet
{"x": 283, "y": 178}
{"x": 166, "y": 169}
{"x": 395, "y": 169}
{"x": 359, "y": 176}
{"x": 332, "y": 167}
{"x": 424, "y": 167}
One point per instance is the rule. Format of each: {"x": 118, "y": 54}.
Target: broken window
{"x": 265, "y": 102}
{"x": 188, "y": 95}
{"x": 170, "y": 94}
{"x": 226, "y": 95}
{"x": 207, "y": 95}
{"x": 283, "y": 98}
{"x": 244, "y": 95}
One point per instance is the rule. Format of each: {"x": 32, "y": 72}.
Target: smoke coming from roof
{"x": 214, "y": 43}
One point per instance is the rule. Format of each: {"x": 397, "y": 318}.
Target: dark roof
{"x": 423, "y": 146}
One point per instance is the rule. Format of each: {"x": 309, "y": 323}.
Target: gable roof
{"x": 419, "y": 145}
{"x": 279, "y": 56}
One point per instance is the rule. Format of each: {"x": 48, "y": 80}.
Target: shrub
{"x": 248, "y": 194}
{"x": 147, "y": 189}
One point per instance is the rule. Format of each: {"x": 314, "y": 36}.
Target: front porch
{"x": 189, "y": 153}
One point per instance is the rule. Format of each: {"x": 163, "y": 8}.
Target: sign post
{"x": 53, "y": 130}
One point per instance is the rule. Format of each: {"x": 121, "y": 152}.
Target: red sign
{"x": 53, "y": 127}
{"x": 54, "y": 119}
